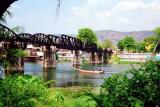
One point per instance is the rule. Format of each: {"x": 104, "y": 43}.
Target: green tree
{"x": 121, "y": 44}
{"x": 150, "y": 39}
{"x": 157, "y": 32}
{"x": 133, "y": 88}
{"x": 130, "y": 43}
{"x": 107, "y": 44}
{"x": 18, "y": 29}
{"x": 87, "y": 35}
{"x": 127, "y": 43}
{"x": 22, "y": 91}
{"x": 140, "y": 47}
{"x": 150, "y": 42}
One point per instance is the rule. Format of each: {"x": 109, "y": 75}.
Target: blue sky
{"x": 122, "y": 15}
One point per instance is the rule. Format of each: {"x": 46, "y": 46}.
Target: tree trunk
{"x": 4, "y": 5}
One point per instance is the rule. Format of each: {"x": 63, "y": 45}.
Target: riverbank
{"x": 124, "y": 59}
{"x": 129, "y": 62}
{"x": 67, "y": 91}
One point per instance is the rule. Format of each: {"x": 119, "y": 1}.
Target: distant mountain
{"x": 115, "y": 36}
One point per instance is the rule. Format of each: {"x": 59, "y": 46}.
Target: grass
{"x": 130, "y": 62}
{"x": 71, "y": 97}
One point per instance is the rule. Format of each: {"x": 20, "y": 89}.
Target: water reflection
{"x": 64, "y": 74}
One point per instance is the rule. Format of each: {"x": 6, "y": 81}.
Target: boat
{"x": 90, "y": 71}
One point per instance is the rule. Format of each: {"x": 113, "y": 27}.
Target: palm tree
{"x": 5, "y": 4}
{"x": 3, "y": 18}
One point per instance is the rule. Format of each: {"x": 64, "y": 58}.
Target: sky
{"x": 39, "y": 16}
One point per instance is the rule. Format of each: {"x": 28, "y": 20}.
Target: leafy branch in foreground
{"x": 134, "y": 88}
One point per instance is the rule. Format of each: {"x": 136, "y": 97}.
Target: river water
{"x": 64, "y": 74}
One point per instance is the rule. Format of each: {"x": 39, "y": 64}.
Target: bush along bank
{"x": 134, "y": 88}
{"x": 22, "y": 91}
{"x": 31, "y": 91}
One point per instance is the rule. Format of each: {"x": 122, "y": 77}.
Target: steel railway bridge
{"x": 10, "y": 39}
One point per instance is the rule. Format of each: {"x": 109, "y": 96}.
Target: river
{"x": 64, "y": 74}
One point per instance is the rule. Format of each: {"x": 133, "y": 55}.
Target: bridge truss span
{"x": 39, "y": 39}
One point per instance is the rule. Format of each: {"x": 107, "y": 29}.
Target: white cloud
{"x": 124, "y": 15}
{"x": 102, "y": 15}
{"x": 129, "y": 6}
{"x": 80, "y": 12}
{"x": 92, "y": 2}
{"x": 96, "y": 2}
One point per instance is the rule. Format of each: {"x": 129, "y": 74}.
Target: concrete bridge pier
{"x": 17, "y": 66}
{"x": 16, "y": 63}
{"x": 92, "y": 58}
{"x": 48, "y": 57}
{"x": 99, "y": 59}
{"x": 77, "y": 59}
{"x": 107, "y": 55}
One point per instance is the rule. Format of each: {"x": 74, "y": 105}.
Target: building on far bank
{"x": 34, "y": 53}
{"x": 61, "y": 55}
{"x": 65, "y": 55}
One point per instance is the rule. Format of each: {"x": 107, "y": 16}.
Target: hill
{"x": 115, "y": 36}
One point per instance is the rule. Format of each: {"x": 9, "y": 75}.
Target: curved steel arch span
{"x": 40, "y": 39}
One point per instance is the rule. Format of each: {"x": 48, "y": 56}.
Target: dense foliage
{"x": 107, "y": 44}
{"x": 140, "y": 47}
{"x": 127, "y": 43}
{"x": 121, "y": 44}
{"x": 157, "y": 32}
{"x": 150, "y": 43}
{"x": 30, "y": 91}
{"x": 147, "y": 45}
{"x": 18, "y": 29}
{"x": 87, "y": 35}
{"x": 134, "y": 88}
{"x": 22, "y": 91}
{"x": 74, "y": 97}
